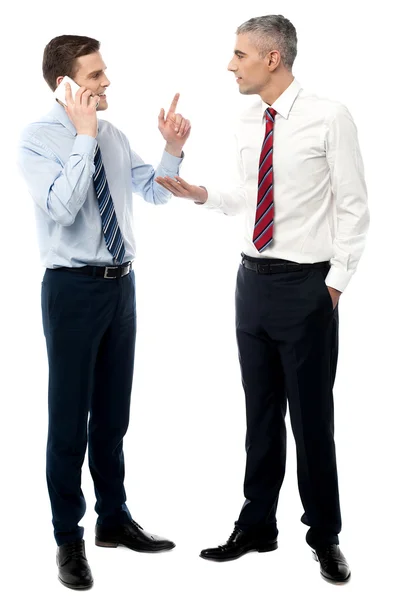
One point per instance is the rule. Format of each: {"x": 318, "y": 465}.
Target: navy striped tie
{"x": 112, "y": 233}
{"x": 263, "y": 228}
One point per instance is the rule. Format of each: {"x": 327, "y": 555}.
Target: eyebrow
{"x": 98, "y": 71}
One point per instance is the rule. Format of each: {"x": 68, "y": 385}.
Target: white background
{"x": 185, "y": 447}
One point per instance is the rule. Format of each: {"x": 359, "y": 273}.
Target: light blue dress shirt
{"x": 58, "y": 166}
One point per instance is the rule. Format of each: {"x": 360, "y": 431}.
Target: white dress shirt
{"x": 320, "y": 196}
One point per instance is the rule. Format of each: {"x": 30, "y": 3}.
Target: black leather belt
{"x": 104, "y": 272}
{"x": 277, "y": 265}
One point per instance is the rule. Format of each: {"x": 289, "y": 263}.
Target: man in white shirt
{"x": 301, "y": 185}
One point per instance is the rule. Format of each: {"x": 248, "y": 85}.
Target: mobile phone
{"x": 59, "y": 93}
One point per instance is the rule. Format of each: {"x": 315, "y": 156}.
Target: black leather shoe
{"x": 333, "y": 565}
{"x": 73, "y": 568}
{"x": 239, "y": 543}
{"x": 131, "y": 535}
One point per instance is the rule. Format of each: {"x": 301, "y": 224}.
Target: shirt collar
{"x": 58, "y": 112}
{"x": 285, "y": 101}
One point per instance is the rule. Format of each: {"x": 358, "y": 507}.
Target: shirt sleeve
{"x": 350, "y": 197}
{"x": 60, "y": 191}
{"x": 143, "y": 176}
{"x": 231, "y": 201}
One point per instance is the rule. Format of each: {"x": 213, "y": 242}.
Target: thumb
{"x": 161, "y": 117}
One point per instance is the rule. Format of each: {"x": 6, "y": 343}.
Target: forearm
{"x": 230, "y": 202}
{"x": 59, "y": 191}
{"x": 352, "y": 224}
{"x": 143, "y": 177}
{"x": 69, "y": 191}
{"x": 348, "y": 246}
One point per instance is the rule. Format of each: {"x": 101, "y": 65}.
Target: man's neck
{"x": 276, "y": 88}
{"x": 60, "y": 103}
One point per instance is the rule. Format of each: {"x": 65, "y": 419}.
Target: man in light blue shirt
{"x": 81, "y": 173}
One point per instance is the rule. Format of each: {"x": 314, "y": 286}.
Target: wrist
{"x": 203, "y": 197}
{"x": 334, "y": 290}
{"x": 174, "y": 150}
{"x": 90, "y": 133}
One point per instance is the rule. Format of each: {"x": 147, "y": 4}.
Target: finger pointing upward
{"x": 172, "y": 108}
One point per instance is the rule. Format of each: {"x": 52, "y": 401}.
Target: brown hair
{"x": 59, "y": 57}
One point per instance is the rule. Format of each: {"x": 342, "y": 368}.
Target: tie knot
{"x": 270, "y": 113}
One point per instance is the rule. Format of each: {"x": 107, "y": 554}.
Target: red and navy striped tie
{"x": 263, "y": 231}
{"x": 112, "y": 233}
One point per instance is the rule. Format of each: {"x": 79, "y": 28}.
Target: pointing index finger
{"x": 175, "y": 100}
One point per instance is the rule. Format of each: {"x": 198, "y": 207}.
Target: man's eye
{"x": 97, "y": 75}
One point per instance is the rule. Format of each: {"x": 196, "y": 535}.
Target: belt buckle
{"x": 126, "y": 269}
{"x": 106, "y": 276}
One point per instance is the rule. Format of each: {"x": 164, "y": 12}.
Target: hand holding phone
{"x": 60, "y": 91}
{"x": 81, "y": 107}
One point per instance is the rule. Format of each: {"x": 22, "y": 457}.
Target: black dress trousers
{"x": 287, "y": 334}
{"x": 90, "y": 329}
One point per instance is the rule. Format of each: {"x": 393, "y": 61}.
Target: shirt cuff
{"x": 84, "y": 144}
{"x": 213, "y": 200}
{"x": 170, "y": 162}
{"x": 338, "y": 279}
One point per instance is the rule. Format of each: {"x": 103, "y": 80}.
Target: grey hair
{"x": 273, "y": 32}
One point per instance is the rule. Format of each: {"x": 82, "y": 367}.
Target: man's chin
{"x": 102, "y": 106}
{"x": 246, "y": 91}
